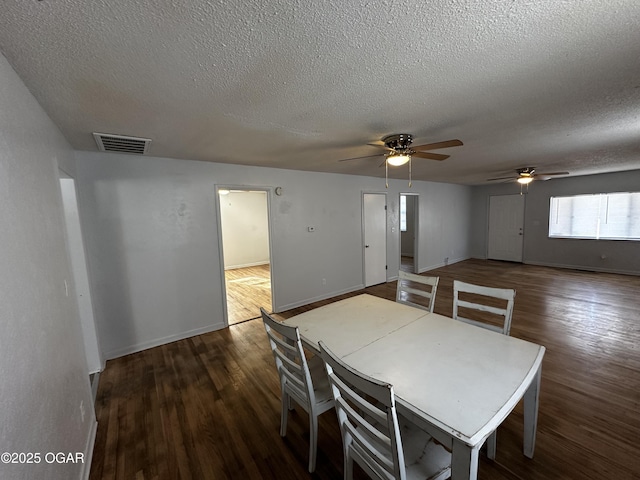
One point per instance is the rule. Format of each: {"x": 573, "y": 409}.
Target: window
{"x": 602, "y": 216}
{"x": 403, "y": 213}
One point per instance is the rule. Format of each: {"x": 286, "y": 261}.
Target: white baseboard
{"x": 121, "y": 352}
{"x": 582, "y": 267}
{"x": 443, "y": 264}
{"x": 94, "y": 386}
{"x": 573, "y": 267}
{"x": 245, "y": 265}
{"x": 88, "y": 450}
{"x": 284, "y": 308}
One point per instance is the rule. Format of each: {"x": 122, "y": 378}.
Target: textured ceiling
{"x": 304, "y": 83}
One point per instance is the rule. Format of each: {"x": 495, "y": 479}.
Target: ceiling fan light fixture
{"x": 525, "y": 180}
{"x": 398, "y": 159}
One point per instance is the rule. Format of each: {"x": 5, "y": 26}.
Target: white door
{"x": 375, "y": 238}
{"x": 506, "y": 227}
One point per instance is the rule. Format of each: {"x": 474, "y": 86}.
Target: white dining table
{"x": 456, "y": 381}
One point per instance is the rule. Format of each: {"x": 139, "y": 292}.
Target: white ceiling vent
{"x": 121, "y": 144}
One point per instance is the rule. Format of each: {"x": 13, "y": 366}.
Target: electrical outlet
{"x": 324, "y": 281}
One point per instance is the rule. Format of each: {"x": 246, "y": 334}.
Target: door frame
{"x": 416, "y": 229}
{"x": 80, "y": 275}
{"x": 246, "y": 188}
{"x": 386, "y": 255}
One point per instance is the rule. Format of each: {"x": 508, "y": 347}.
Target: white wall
{"x": 619, "y": 256}
{"x": 152, "y": 241}
{"x": 245, "y": 229}
{"x": 445, "y": 225}
{"x": 43, "y": 372}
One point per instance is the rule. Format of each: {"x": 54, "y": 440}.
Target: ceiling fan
{"x": 400, "y": 151}
{"x": 527, "y": 175}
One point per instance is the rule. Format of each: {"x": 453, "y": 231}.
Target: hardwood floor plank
{"x": 208, "y": 407}
{"x": 248, "y": 289}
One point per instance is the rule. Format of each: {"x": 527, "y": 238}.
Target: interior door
{"x": 506, "y": 227}
{"x": 375, "y": 238}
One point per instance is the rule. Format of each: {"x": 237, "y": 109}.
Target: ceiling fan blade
{"x": 358, "y": 158}
{"x": 502, "y": 178}
{"x": 430, "y": 156}
{"x": 437, "y": 145}
{"x": 545, "y": 174}
{"x": 381, "y": 145}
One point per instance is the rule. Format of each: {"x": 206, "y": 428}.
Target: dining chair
{"x": 499, "y": 318}
{"x": 481, "y": 296}
{"x": 371, "y": 433}
{"x": 304, "y": 381}
{"x": 411, "y": 286}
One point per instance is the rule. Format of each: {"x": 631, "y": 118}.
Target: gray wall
{"x": 598, "y": 255}
{"x": 153, "y": 245}
{"x": 43, "y": 371}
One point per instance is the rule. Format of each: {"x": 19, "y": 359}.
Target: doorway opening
{"x": 409, "y": 220}
{"x": 246, "y": 252}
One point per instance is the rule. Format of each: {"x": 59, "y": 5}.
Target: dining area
{"x": 210, "y": 406}
{"x": 454, "y": 380}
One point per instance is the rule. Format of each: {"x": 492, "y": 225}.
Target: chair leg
{"x": 313, "y": 440}
{"x": 284, "y": 414}
{"x": 491, "y": 445}
{"x": 348, "y": 467}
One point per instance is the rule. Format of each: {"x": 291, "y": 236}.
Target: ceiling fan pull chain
{"x": 386, "y": 174}
{"x": 409, "y": 171}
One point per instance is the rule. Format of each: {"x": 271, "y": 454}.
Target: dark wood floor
{"x": 406, "y": 264}
{"x": 208, "y": 407}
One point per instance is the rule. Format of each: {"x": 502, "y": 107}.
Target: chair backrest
{"x": 411, "y": 289}
{"x": 368, "y": 420}
{"x": 291, "y": 362}
{"x": 474, "y": 302}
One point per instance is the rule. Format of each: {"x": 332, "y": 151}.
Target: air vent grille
{"x": 122, "y": 144}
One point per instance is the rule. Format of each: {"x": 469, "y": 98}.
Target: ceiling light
{"x": 525, "y": 180}
{"x": 398, "y": 159}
